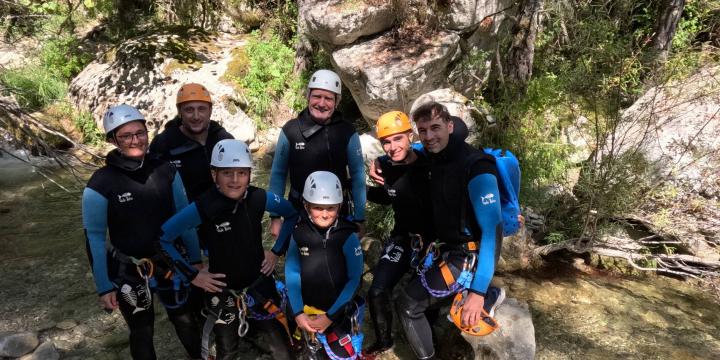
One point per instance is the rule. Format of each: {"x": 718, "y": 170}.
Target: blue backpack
{"x": 508, "y": 169}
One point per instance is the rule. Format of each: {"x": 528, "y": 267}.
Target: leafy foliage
{"x": 33, "y": 86}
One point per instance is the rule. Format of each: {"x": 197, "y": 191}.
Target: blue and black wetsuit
{"x": 405, "y": 189}
{"x": 191, "y": 158}
{"x": 128, "y": 201}
{"x": 466, "y": 212}
{"x": 234, "y": 238}
{"x": 304, "y": 147}
{"x": 323, "y": 270}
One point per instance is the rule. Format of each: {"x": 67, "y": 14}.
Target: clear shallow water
{"x": 46, "y": 281}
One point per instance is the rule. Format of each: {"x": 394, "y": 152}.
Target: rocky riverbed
{"x": 46, "y": 288}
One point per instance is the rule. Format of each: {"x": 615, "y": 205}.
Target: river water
{"x": 46, "y": 286}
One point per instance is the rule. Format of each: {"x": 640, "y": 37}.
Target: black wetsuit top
{"x": 191, "y": 158}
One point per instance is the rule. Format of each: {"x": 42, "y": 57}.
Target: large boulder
{"x": 456, "y": 103}
{"x": 342, "y": 22}
{"x": 147, "y": 72}
{"x": 384, "y": 74}
{"x": 464, "y": 15}
{"x": 17, "y": 344}
{"x": 676, "y": 127}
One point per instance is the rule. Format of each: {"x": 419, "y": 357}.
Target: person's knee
{"x": 409, "y": 307}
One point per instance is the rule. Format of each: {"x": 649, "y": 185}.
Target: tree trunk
{"x": 519, "y": 59}
{"x": 668, "y": 18}
{"x": 304, "y": 47}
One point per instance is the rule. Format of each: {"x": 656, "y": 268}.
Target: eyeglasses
{"x": 128, "y": 138}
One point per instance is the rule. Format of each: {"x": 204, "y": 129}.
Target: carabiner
{"x": 144, "y": 267}
{"x": 469, "y": 266}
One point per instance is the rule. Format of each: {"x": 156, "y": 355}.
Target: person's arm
{"x": 354, "y": 263}
{"x": 94, "y": 214}
{"x": 485, "y": 199}
{"x": 188, "y": 218}
{"x": 292, "y": 279}
{"x": 189, "y": 237}
{"x": 276, "y": 204}
{"x": 279, "y": 170}
{"x": 356, "y": 165}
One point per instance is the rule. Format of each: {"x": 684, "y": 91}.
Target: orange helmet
{"x": 391, "y": 123}
{"x": 193, "y": 92}
{"x": 485, "y": 327}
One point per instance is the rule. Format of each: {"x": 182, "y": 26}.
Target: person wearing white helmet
{"x": 319, "y": 139}
{"x": 240, "y": 292}
{"x": 326, "y": 251}
{"x": 128, "y": 200}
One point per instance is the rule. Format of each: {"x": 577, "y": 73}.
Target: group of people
{"x": 156, "y": 210}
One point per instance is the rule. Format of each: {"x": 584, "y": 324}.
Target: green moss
{"x": 237, "y": 67}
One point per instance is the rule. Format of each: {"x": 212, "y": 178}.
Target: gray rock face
{"x": 457, "y": 105}
{"x": 342, "y": 22}
{"x": 46, "y": 351}
{"x": 676, "y": 127}
{"x": 149, "y": 77}
{"x": 464, "y": 15}
{"x": 384, "y": 76}
{"x": 515, "y": 339}
{"x": 17, "y": 344}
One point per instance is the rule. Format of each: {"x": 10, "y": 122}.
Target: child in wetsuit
{"x": 323, "y": 269}
{"x": 241, "y": 294}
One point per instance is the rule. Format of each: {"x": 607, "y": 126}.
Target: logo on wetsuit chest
{"x": 300, "y": 146}
{"x": 176, "y": 163}
{"x": 488, "y": 199}
{"x": 393, "y": 253}
{"x": 304, "y": 251}
{"x": 125, "y": 197}
{"x": 223, "y": 227}
{"x": 391, "y": 192}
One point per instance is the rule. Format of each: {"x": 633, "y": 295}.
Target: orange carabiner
{"x": 145, "y": 268}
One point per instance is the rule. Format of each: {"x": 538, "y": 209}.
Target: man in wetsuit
{"x": 189, "y": 138}
{"x": 466, "y": 210}
{"x": 319, "y": 139}
{"x": 405, "y": 186}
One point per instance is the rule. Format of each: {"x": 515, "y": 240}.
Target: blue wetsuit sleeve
{"x": 186, "y": 219}
{"x": 189, "y": 237}
{"x": 292, "y": 279}
{"x": 279, "y": 170}
{"x": 354, "y": 262}
{"x": 356, "y": 164}
{"x": 485, "y": 199}
{"x": 94, "y": 214}
{"x": 276, "y": 204}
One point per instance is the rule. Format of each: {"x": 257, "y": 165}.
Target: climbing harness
{"x": 352, "y": 342}
{"x": 463, "y": 281}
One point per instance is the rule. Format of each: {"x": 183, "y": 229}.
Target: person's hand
{"x": 303, "y": 322}
{"x": 274, "y": 227}
{"x": 321, "y": 322}
{"x": 109, "y": 301}
{"x": 361, "y": 229}
{"x": 268, "y": 264}
{"x": 199, "y": 266}
{"x": 472, "y": 309}
{"x": 375, "y": 173}
{"x": 207, "y": 281}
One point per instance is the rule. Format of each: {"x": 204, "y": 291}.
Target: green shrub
{"x": 269, "y": 74}
{"x": 34, "y": 86}
{"x": 64, "y": 57}
{"x": 84, "y": 122}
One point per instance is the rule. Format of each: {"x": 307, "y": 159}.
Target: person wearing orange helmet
{"x": 187, "y": 140}
{"x": 405, "y": 183}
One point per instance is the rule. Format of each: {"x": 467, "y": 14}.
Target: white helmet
{"x": 323, "y": 188}
{"x": 326, "y": 80}
{"x": 120, "y": 115}
{"x": 231, "y": 153}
